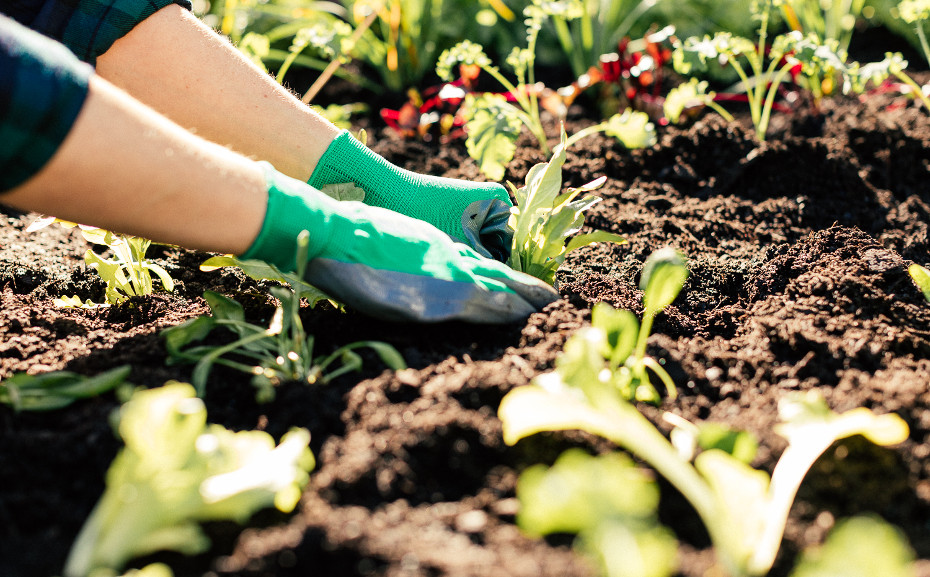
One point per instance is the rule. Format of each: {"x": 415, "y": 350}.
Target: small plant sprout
{"x": 743, "y": 510}
{"x": 57, "y": 389}
{"x": 544, "y": 218}
{"x": 863, "y": 545}
{"x": 921, "y": 277}
{"x": 761, "y": 81}
{"x": 608, "y": 502}
{"x": 614, "y": 346}
{"x": 177, "y": 471}
{"x": 281, "y": 352}
{"x": 128, "y": 273}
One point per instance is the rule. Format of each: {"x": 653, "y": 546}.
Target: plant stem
{"x": 915, "y": 88}
{"x": 334, "y": 65}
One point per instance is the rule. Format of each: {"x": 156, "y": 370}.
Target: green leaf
{"x": 741, "y": 445}
{"x": 621, "y": 328}
{"x": 175, "y": 472}
{"x": 862, "y": 546}
{"x": 593, "y": 238}
{"x": 921, "y": 277}
{"x": 580, "y": 491}
{"x": 166, "y": 281}
{"x": 346, "y": 191}
{"x": 493, "y": 126}
{"x": 57, "y": 389}
{"x": 664, "y": 274}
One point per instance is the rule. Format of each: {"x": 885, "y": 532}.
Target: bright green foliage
{"x": 827, "y": 20}
{"x": 127, "y": 273}
{"x": 493, "y": 123}
{"x": 862, "y": 546}
{"x": 176, "y": 471}
{"x": 921, "y": 276}
{"x": 765, "y": 69}
{"x": 614, "y": 347}
{"x": 744, "y": 511}
{"x": 608, "y": 502}
{"x": 586, "y": 29}
{"x": 544, "y": 218}
{"x": 281, "y": 352}
{"x": 56, "y": 390}
{"x": 493, "y": 128}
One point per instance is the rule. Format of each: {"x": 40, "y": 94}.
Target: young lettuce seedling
{"x": 281, "y": 352}
{"x": 127, "y": 274}
{"x": 56, "y": 390}
{"x": 862, "y": 545}
{"x": 544, "y": 218}
{"x": 176, "y": 471}
{"x": 608, "y": 502}
{"x": 743, "y": 510}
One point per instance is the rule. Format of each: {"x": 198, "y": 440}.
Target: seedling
{"x": 57, "y": 389}
{"x": 861, "y": 545}
{"x": 175, "y": 472}
{"x": 760, "y": 82}
{"x": 858, "y": 75}
{"x": 743, "y": 510}
{"x": 608, "y": 503}
{"x": 544, "y": 218}
{"x": 921, "y": 277}
{"x": 493, "y": 121}
{"x": 688, "y": 96}
{"x": 281, "y": 352}
{"x": 616, "y": 342}
{"x": 128, "y": 273}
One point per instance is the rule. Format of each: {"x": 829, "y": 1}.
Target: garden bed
{"x": 798, "y": 252}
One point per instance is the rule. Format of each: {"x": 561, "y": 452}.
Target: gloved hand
{"x": 388, "y": 265}
{"x": 474, "y": 213}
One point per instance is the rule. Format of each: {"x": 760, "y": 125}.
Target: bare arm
{"x": 124, "y": 167}
{"x": 174, "y": 63}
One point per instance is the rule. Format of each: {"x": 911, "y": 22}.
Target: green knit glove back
{"x": 474, "y": 213}
{"x": 388, "y": 265}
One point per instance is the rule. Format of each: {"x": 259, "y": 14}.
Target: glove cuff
{"x": 289, "y": 212}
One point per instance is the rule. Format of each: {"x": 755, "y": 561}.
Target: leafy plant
{"x": 829, "y": 20}
{"x": 57, "y": 389}
{"x": 281, "y": 352}
{"x": 861, "y": 546}
{"x": 691, "y": 95}
{"x": 608, "y": 502}
{"x": 128, "y": 273}
{"x": 614, "y": 347}
{"x": 858, "y": 75}
{"x": 743, "y": 510}
{"x": 544, "y": 218}
{"x": 768, "y": 66}
{"x": 493, "y": 121}
{"x": 921, "y": 277}
{"x": 176, "y": 471}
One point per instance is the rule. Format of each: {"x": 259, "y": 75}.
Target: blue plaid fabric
{"x": 43, "y": 84}
{"x": 87, "y": 27}
{"x": 42, "y": 89}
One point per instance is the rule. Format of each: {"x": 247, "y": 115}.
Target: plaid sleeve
{"x": 87, "y": 27}
{"x": 42, "y": 89}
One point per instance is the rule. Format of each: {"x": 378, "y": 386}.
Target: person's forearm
{"x": 178, "y": 66}
{"x": 124, "y": 167}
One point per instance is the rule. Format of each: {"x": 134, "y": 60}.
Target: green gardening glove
{"x": 474, "y": 213}
{"x": 388, "y": 265}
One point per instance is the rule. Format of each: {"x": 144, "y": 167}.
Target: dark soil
{"x": 798, "y": 251}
